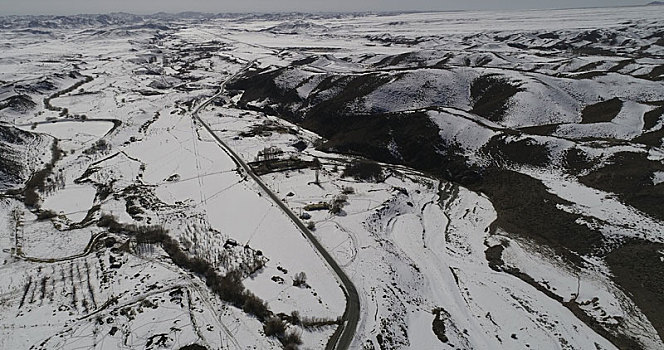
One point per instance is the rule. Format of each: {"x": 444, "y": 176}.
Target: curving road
{"x": 343, "y": 336}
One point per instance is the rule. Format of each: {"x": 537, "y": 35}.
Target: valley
{"x": 461, "y": 180}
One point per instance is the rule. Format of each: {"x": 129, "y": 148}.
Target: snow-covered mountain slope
{"x": 426, "y": 180}
{"x": 496, "y": 111}
{"x": 21, "y": 154}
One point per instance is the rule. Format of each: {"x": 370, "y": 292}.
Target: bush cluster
{"x": 276, "y": 327}
{"x": 38, "y": 180}
{"x": 100, "y": 146}
{"x": 228, "y": 287}
{"x": 46, "y": 214}
{"x": 366, "y": 170}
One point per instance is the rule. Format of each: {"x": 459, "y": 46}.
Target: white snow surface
{"x": 413, "y": 245}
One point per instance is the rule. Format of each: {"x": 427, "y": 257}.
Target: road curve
{"x": 343, "y": 336}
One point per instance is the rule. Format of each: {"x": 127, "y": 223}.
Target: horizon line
{"x": 366, "y": 12}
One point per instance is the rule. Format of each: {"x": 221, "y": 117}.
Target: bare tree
{"x": 300, "y": 279}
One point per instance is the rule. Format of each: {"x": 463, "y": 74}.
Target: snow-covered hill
{"x": 473, "y": 180}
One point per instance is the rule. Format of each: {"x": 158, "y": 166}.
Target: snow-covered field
{"x": 99, "y": 120}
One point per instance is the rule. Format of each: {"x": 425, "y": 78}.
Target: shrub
{"x": 347, "y": 190}
{"x": 109, "y": 222}
{"x": 295, "y": 318}
{"x": 275, "y": 327}
{"x": 199, "y": 266}
{"x": 300, "y": 279}
{"x": 31, "y": 198}
{"x": 338, "y": 203}
{"x": 291, "y": 340}
{"x": 37, "y": 181}
{"x": 46, "y": 214}
{"x": 193, "y": 347}
{"x": 317, "y": 206}
{"x": 366, "y": 170}
{"x": 99, "y": 146}
{"x": 318, "y": 322}
{"x": 228, "y": 287}
{"x": 254, "y": 305}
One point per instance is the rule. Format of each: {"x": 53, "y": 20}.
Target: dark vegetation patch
{"x": 46, "y": 214}
{"x": 505, "y": 149}
{"x": 260, "y": 85}
{"x": 588, "y": 67}
{"x": 305, "y": 61}
{"x": 37, "y": 181}
{"x": 576, "y": 161}
{"x": 351, "y": 87}
{"x": 144, "y": 127}
{"x": 586, "y": 75}
{"x": 526, "y": 208}
{"x": 277, "y": 165}
{"x": 266, "y": 129}
{"x": 603, "y": 111}
{"x": 638, "y": 269}
{"x": 550, "y": 35}
{"x": 592, "y": 51}
{"x": 316, "y": 323}
{"x": 653, "y": 138}
{"x": 364, "y": 133}
{"x": 363, "y": 169}
{"x": 593, "y": 36}
{"x": 228, "y": 287}
{"x": 519, "y": 46}
{"x": 629, "y": 175}
{"x": 655, "y": 74}
{"x": 494, "y": 257}
{"x": 11, "y": 160}
{"x": 100, "y": 146}
{"x": 651, "y": 118}
{"x": 620, "y": 65}
{"x": 438, "y": 324}
{"x": 317, "y": 206}
{"x": 388, "y": 40}
{"x": 491, "y": 94}
{"x": 65, "y": 111}
{"x": 542, "y": 130}
{"x": 394, "y": 60}
{"x": 39, "y": 87}
{"x": 18, "y": 103}
{"x": 193, "y": 347}
{"x": 414, "y": 135}
{"x": 276, "y": 327}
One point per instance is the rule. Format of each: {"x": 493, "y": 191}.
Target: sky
{"x": 63, "y": 7}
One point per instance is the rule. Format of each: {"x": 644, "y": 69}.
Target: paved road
{"x": 343, "y": 336}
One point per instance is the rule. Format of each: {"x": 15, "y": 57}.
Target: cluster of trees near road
{"x": 228, "y": 287}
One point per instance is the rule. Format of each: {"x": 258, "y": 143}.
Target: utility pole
{"x": 317, "y": 167}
